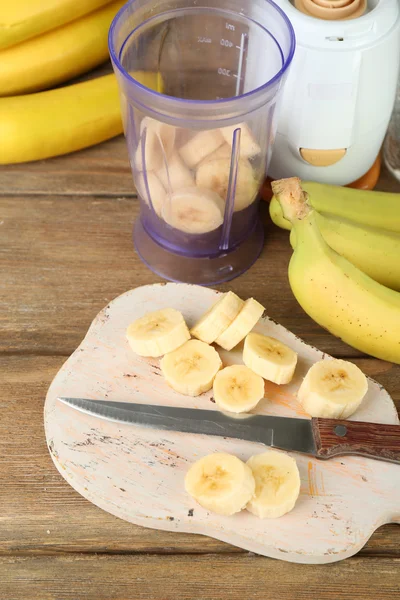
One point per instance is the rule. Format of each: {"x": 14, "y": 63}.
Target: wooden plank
{"x": 101, "y": 170}
{"x": 77, "y": 255}
{"x": 209, "y": 577}
{"x": 41, "y": 513}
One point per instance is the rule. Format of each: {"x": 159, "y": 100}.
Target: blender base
{"x": 201, "y": 271}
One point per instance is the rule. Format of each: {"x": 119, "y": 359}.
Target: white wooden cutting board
{"x": 138, "y": 474}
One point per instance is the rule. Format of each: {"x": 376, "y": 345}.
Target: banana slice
{"x": 269, "y": 358}
{"x": 217, "y": 318}
{"x": 156, "y": 190}
{"x": 333, "y": 389}
{"x": 224, "y": 151}
{"x": 191, "y": 368}
{"x": 158, "y": 332}
{"x": 220, "y": 483}
{"x": 215, "y": 174}
{"x": 249, "y": 146}
{"x": 193, "y": 210}
{"x": 277, "y": 484}
{"x": 237, "y": 389}
{"x": 200, "y": 146}
{"x": 159, "y": 144}
{"x": 241, "y": 325}
{"x": 176, "y": 175}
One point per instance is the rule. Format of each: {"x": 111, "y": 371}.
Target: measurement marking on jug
{"x": 226, "y": 72}
{"x": 230, "y": 26}
{"x": 204, "y": 40}
{"x": 243, "y": 39}
{"x": 226, "y": 43}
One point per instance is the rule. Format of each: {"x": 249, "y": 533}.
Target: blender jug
{"x": 200, "y": 138}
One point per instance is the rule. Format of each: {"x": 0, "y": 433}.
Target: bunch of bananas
{"x": 42, "y": 44}
{"x": 345, "y": 268}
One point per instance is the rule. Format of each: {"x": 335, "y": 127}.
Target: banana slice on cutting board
{"x": 191, "y": 369}
{"x": 332, "y": 389}
{"x": 269, "y": 358}
{"x": 201, "y": 145}
{"x": 156, "y": 190}
{"x": 175, "y": 175}
{"x": 217, "y": 318}
{"x": 158, "y": 332}
{"x": 249, "y": 146}
{"x": 237, "y": 389}
{"x": 193, "y": 210}
{"x": 214, "y": 175}
{"x": 221, "y": 483}
{"x": 158, "y": 142}
{"x": 277, "y": 484}
{"x": 241, "y": 325}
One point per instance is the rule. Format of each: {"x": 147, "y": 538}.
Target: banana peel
{"x": 59, "y": 121}
{"x": 58, "y": 55}
{"x": 21, "y": 20}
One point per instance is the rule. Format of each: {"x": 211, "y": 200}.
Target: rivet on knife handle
{"x": 374, "y": 440}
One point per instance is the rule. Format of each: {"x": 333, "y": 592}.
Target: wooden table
{"x": 66, "y": 251}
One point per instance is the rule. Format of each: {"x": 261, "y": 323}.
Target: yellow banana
{"x": 374, "y": 251}
{"x": 276, "y": 214}
{"x": 59, "y": 121}
{"x": 21, "y": 20}
{"x": 375, "y": 209}
{"x": 58, "y": 55}
{"x": 332, "y": 291}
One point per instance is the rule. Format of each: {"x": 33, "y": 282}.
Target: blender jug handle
{"x": 231, "y": 192}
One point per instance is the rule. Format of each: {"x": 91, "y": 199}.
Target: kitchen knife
{"x": 323, "y": 438}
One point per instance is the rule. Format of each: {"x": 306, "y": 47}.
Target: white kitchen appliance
{"x": 340, "y": 91}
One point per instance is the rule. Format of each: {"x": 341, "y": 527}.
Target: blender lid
{"x": 378, "y": 19}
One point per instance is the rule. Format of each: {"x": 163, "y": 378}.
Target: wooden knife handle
{"x": 334, "y": 438}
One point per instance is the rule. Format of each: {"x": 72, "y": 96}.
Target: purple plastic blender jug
{"x": 200, "y": 82}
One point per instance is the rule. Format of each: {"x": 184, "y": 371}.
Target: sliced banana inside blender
{"x": 237, "y": 389}
{"x": 277, "y": 484}
{"x": 269, "y": 357}
{"x": 224, "y": 151}
{"x": 158, "y": 332}
{"x": 202, "y": 144}
{"x": 156, "y": 190}
{"x": 193, "y": 210}
{"x": 191, "y": 369}
{"x": 333, "y": 389}
{"x": 157, "y": 140}
{"x": 249, "y": 146}
{"x": 215, "y": 175}
{"x": 217, "y": 318}
{"x": 220, "y": 483}
{"x": 175, "y": 175}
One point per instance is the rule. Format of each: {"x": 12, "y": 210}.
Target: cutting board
{"x": 138, "y": 474}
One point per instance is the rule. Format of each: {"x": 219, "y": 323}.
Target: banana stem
{"x": 292, "y": 198}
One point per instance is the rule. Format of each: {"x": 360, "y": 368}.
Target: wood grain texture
{"x": 211, "y": 577}
{"x": 49, "y": 294}
{"x": 41, "y": 513}
{"x": 102, "y": 170}
{"x": 335, "y": 437}
{"x": 63, "y": 258}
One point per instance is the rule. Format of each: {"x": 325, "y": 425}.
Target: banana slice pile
{"x": 269, "y": 484}
{"x": 186, "y": 184}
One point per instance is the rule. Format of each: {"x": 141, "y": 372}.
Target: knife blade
{"x": 323, "y": 438}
